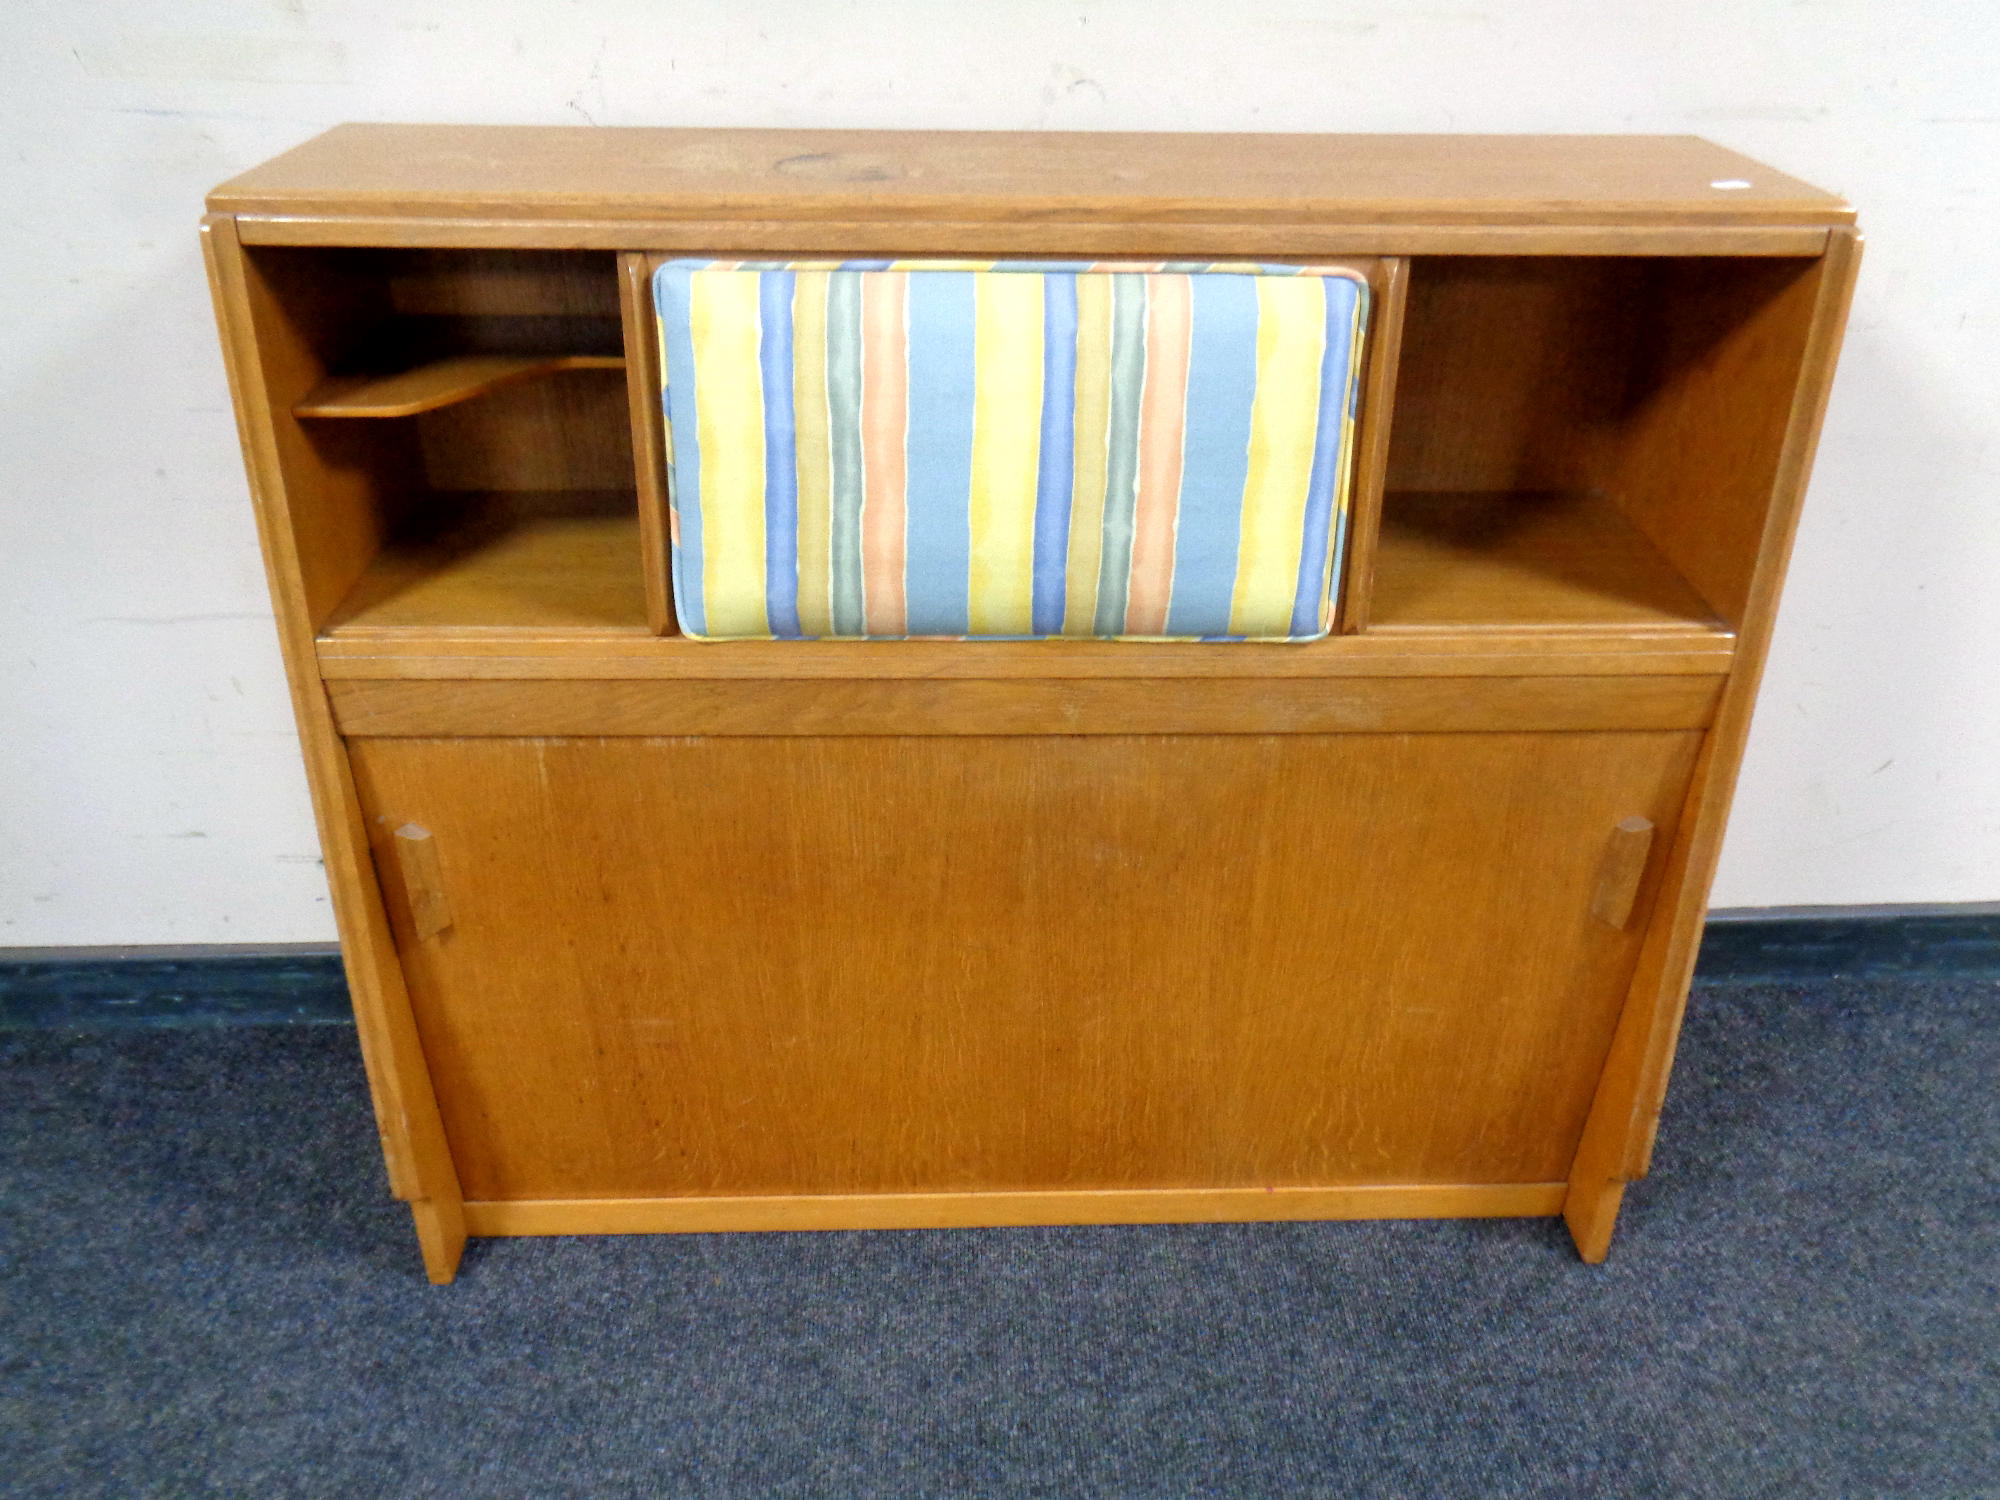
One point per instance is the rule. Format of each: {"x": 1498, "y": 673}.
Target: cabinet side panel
{"x": 414, "y": 1147}
{"x": 649, "y": 445}
{"x": 1720, "y": 357}
{"x": 780, "y": 966}
{"x": 1617, "y": 1141}
{"x": 1391, "y": 283}
{"x": 346, "y": 483}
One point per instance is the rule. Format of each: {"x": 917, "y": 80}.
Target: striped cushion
{"x": 912, "y": 448}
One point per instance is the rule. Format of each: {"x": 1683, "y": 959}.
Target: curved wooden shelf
{"x": 443, "y": 382}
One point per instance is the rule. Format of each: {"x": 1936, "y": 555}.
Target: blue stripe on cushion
{"x": 781, "y": 471}
{"x": 1222, "y": 384}
{"x": 1055, "y": 476}
{"x": 1328, "y": 447}
{"x": 938, "y": 532}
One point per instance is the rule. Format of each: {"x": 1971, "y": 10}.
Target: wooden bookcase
{"x": 649, "y": 934}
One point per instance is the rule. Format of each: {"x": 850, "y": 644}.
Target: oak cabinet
{"x": 647, "y": 933}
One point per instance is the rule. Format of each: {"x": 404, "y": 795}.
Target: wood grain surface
{"x": 1626, "y": 854}
{"x": 1617, "y": 1145}
{"x": 442, "y": 382}
{"x": 737, "y": 1212}
{"x": 533, "y": 568}
{"x": 888, "y": 965}
{"x": 423, "y": 885}
{"x": 798, "y": 176}
{"x": 407, "y": 708}
{"x": 1391, "y": 285}
{"x": 267, "y": 367}
{"x": 1696, "y": 466}
{"x": 1524, "y": 561}
{"x": 471, "y": 650}
{"x": 644, "y": 395}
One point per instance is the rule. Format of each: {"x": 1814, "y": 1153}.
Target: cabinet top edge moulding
{"x": 1004, "y": 191}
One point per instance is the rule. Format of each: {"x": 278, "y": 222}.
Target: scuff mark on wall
{"x": 183, "y": 57}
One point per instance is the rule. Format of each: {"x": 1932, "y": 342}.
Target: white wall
{"x": 149, "y": 787}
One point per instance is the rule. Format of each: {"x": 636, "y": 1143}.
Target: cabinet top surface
{"x": 471, "y": 171}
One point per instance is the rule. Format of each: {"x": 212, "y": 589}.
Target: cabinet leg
{"x": 441, "y": 1233}
{"x": 1591, "y": 1211}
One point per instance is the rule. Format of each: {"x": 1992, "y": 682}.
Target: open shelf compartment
{"x": 1577, "y": 447}
{"x": 1584, "y": 443}
{"x": 517, "y": 560}
{"x": 491, "y": 483}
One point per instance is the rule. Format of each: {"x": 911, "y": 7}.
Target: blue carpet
{"x": 203, "y": 1290}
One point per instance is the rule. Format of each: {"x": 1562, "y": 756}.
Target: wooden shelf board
{"x": 536, "y": 572}
{"x": 1470, "y": 586}
{"x": 527, "y": 653}
{"x": 442, "y": 382}
{"x": 1525, "y": 562}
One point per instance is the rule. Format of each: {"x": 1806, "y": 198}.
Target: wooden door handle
{"x": 1619, "y": 875}
{"x": 423, "y": 881}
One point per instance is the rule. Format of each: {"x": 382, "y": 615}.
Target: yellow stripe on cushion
{"x": 1284, "y": 416}
{"x": 723, "y": 327}
{"x": 809, "y": 419}
{"x": 1093, "y": 416}
{"x": 1006, "y": 453}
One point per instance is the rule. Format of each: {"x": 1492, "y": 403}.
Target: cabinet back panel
{"x": 688, "y": 966}
{"x": 437, "y": 301}
{"x": 502, "y": 283}
{"x": 570, "y": 431}
{"x": 1514, "y": 371}
{"x": 502, "y": 302}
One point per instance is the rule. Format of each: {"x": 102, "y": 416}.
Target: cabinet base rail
{"x": 699, "y": 1215}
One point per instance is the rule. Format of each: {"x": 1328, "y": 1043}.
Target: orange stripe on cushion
{"x": 1162, "y": 415}
{"x": 884, "y": 423}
